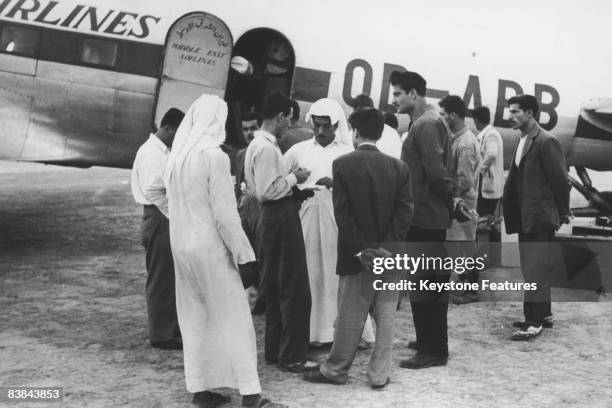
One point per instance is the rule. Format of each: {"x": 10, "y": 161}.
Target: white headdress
{"x": 331, "y": 108}
{"x": 203, "y": 125}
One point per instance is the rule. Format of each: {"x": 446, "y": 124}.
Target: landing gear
{"x": 600, "y": 203}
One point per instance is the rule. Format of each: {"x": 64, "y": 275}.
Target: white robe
{"x": 390, "y": 142}
{"x": 321, "y": 236}
{"x": 208, "y": 243}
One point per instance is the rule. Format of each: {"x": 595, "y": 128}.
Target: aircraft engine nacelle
{"x": 591, "y": 146}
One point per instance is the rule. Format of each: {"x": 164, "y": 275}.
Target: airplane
{"x": 83, "y": 82}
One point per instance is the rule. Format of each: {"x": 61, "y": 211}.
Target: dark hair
{"x": 362, "y": 101}
{"x": 172, "y": 118}
{"x": 409, "y": 80}
{"x": 274, "y": 104}
{"x": 295, "y": 115}
{"x": 369, "y": 122}
{"x": 391, "y": 120}
{"x": 454, "y": 104}
{"x": 526, "y": 102}
{"x": 249, "y": 116}
{"x": 482, "y": 114}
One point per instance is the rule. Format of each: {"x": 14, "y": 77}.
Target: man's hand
{"x": 366, "y": 258}
{"x": 456, "y": 200}
{"x": 325, "y": 181}
{"x": 301, "y": 174}
{"x": 248, "y": 274}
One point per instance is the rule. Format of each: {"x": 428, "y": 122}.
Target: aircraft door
{"x": 197, "y": 57}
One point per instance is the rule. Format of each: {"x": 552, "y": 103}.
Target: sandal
{"x": 207, "y": 399}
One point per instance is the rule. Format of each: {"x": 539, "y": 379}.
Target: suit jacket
{"x": 536, "y": 193}
{"x": 372, "y": 203}
{"x": 491, "y": 163}
{"x": 427, "y": 152}
{"x": 238, "y": 171}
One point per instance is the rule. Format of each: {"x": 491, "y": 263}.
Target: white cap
{"x": 241, "y": 65}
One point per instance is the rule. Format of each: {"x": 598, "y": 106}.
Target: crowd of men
{"x": 306, "y": 215}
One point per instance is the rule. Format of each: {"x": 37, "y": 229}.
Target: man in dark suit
{"x": 427, "y": 152}
{"x": 373, "y": 207}
{"x": 536, "y": 203}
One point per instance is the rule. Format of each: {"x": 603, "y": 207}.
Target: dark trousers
{"x": 429, "y": 308}
{"x": 536, "y": 265}
{"x": 160, "y": 292}
{"x": 485, "y": 206}
{"x": 288, "y": 301}
{"x": 249, "y": 210}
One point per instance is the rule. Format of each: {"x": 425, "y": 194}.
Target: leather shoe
{"x": 207, "y": 399}
{"x": 299, "y": 368}
{"x": 528, "y": 333}
{"x": 173, "y": 344}
{"x": 318, "y": 378}
{"x": 423, "y": 361}
{"x": 547, "y": 324}
{"x": 380, "y": 386}
{"x": 259, "y": 402}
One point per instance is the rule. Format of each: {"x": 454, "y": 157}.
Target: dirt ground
{"x": 72, "y": 314}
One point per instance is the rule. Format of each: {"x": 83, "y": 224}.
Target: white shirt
{"x": 265, "y": 170}
{"x": 148, "y": 174}
{"x": 390, "y": 142}
{"x": 311, "y": 155}
{"x": 481, "y": 134}
{"x": 519, "y": 150}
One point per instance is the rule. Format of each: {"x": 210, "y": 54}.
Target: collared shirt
{"x": 418, "y": 112}
{"x": 519, "y": 150}
{"x": 265, "y": 170}
{"x": 488, "y": 150}
{"x": 483, "y": 132}
{"x": 316, "y": 158}
{"x": 148, "y": 174}
{"x": 530, "y": 130}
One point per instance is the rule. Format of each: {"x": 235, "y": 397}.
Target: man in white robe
{"x": 209, "y": 247}
{"x": 331, "y": 140}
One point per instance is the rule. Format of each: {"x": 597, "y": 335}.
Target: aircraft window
{"x": 140, "y": 58}
{"x": 19, "y": 40}
{"x": 59, "y": 46}
{"x": 99, "y": 52}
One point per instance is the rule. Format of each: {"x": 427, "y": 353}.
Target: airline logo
{"x": 80, "y": 17}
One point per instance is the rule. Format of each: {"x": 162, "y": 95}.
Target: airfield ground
{"x": 72, "y": 314}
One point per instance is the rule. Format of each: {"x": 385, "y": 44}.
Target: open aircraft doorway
{"x": 196, "y": 58}
{"x": 268, "y": 61}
